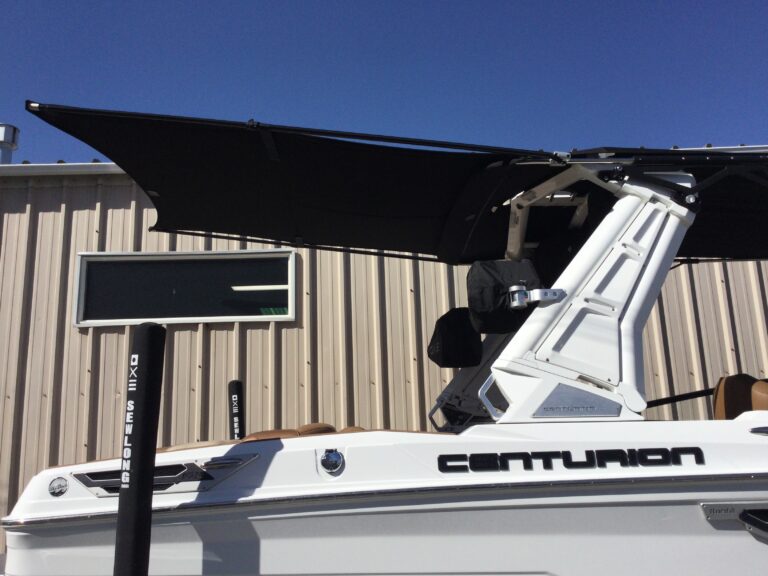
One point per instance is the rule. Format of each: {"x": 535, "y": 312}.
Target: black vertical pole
{"x": 142, "y": 412}
{"x": 236, "y": 410}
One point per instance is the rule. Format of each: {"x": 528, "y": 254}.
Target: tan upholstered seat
{"x": 739, "y": 393}
{"x": 315, "y": 428}
{"x": 306, "y": 430}
{"x": 271, "y": 435}
{"x": 760, "y": 395}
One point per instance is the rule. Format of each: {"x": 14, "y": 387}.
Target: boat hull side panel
{"x": 634, "y": 534}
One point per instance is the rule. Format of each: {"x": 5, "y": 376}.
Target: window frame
{"x": 83, "y": 258}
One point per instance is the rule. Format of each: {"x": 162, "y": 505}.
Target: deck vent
{"x": 196, "y": 476}
{"x": 108, "y": 482}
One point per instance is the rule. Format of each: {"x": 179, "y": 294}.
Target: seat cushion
{"x": 271, "y": 435}
{"x": 315, "y": 428}
{"x": 760, "y": 395}
{"x": 350, "y": 429}
{"x": 306, "y": 430}
{"x": 733, "y": 396}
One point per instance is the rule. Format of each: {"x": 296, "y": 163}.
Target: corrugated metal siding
{"x": 355, "y": 355}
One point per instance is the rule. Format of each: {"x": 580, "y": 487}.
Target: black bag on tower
{"x": 488, "y": 284}
{"x": 455, "y": 343}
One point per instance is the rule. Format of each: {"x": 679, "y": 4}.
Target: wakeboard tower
{"x": 546, "y": 463}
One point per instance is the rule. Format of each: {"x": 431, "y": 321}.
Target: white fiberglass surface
{"x": 499, "y": 537}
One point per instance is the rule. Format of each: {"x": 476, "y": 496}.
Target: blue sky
{"x": 551, "y": 75}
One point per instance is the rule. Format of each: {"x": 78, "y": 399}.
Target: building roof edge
{"x": 84, "y": 169}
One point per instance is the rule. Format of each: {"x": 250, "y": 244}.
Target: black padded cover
{"x": 488, "y": 284}
{"x": 455, "y": 343}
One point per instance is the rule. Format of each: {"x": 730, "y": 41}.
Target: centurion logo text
{"x": 630, "y": 458}
{"x": 133, "y": 379}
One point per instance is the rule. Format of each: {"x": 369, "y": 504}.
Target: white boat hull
{"x": 566, "y": 536}
{"x": 392, "y": 511}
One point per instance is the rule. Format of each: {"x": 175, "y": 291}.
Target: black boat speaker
{"x": 455, "y": 343}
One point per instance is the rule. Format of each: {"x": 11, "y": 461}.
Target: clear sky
{"x": 551, "y": 75}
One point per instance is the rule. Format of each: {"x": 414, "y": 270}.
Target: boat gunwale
{"x": 621, "y": 486}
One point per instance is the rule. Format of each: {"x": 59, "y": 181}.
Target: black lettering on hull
{"x": 629, "y": 458}
{"x": 588, "y": 462}
{"x": 450, "y": 463}
{"x": 524, "y": 457}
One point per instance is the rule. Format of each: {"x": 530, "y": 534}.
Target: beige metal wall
{"x": 354, "y": 355}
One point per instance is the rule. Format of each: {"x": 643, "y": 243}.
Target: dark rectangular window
{"x": 177, "y": 287}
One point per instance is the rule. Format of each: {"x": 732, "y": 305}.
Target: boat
{"x": 545, "y": 463}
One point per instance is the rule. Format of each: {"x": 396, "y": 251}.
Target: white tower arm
{"x": 581, "y": 355}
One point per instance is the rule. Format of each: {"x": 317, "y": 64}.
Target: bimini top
{"x": 444, "y": 200}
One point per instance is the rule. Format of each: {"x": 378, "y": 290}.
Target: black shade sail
{"x": 323, "y": 188}
{"x": 307, "y": 187}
